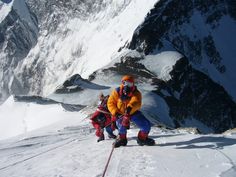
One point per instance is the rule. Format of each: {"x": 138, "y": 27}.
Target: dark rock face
{"x": 70, "y": 86}
{"x": 76, "y": 83}
{"x": 167, "y": 24}
{"x": 35, "y": 99}
{"x": 198, "y": 97}
{"x": 46, "y": 101}
{"x": 130, "y": 65}
{"x": 19, "y": 39}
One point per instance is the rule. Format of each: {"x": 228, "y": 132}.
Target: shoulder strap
{"x": 119, "y": 91}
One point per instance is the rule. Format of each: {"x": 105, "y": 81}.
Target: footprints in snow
{"x": 144, "y": 165}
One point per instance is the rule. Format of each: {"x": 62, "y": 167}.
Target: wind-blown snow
{"x": 112, "y": 33}
{"x": 68, "y": 148}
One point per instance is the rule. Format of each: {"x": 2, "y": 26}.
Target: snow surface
{"x": 4, "y": 10}
{"x": 19, "y": 117}
{"x": 162, "y": 63}
{"x": 156, "y": 109}
{"x": 68, "y": 148}
{"x": 112, "y": 33}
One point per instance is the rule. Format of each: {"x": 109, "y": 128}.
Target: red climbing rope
{"x": 104, "y": 172}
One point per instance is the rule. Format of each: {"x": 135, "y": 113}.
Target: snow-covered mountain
{"x": 66, "y": 52}
{"x": 73, "y": 37}
{"x": 181, "y": 53}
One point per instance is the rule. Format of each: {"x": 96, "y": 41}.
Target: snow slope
{"x": 227, "y": 52}
{"x": 162, "y": 63}
{"x": 4, "y": 10}
{"x": 19, "y": 117}
{"x": 68, "y": 148}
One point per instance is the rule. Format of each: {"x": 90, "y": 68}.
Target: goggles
{"x": 127, "y": 83}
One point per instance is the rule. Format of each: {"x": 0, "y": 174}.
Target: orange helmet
{"x": 128, "y": 78}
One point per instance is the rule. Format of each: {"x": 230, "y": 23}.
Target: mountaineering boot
{"x": 147, "y": 141}
{"x": 120, "y": 141}
{"x": 144, "y": 140}
{"x": 112, "y": 136}
{"x": 101, "y": 138}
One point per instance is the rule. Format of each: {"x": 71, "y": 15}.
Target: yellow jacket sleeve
{"x": 112, "y": 102}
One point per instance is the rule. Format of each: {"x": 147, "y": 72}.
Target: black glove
{"x": 101, "y": 119}
{"x": 118, "y": 115}
{"x": 128, "y": 110}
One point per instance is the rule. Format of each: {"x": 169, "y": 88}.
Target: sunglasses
{"x": 127, "y": 83}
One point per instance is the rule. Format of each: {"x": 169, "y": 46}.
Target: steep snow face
{"x": 20, "y": 117}
{"x": 72, "y": 143}
{"x": 79, "y": 41}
